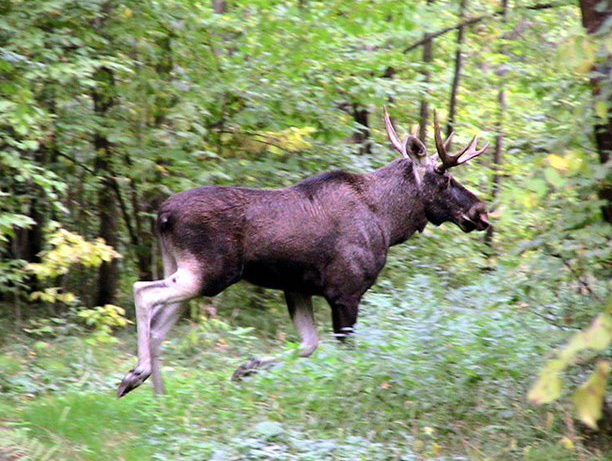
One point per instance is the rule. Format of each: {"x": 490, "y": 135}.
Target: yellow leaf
{"x": 588, "y": 399}
{"x": 127, "y": 13}
{"x": 548, "y": 386}
{"x": 596, "y": 337}
{"x": 418, "y": 445}
{"x": 567, "y": 443}
{"x": 601, "y": 109}
{"x": 558, "y": 162}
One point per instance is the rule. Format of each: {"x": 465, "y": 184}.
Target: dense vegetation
{"x": 107, "y": 107}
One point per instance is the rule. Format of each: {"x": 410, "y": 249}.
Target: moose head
{"x": 444, "y": 198}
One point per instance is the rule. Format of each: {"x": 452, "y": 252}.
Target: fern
{"x": 16, "y": 444}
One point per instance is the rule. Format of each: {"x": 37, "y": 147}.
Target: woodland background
{"x": 107, "y": 107}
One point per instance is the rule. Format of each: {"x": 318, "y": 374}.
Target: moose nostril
{"x": 483, "y": 221}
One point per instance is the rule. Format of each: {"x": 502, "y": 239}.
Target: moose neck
{"x": 397, "y": 200}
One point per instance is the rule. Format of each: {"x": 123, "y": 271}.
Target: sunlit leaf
{"x": 548, "y": 386}
{"x": 567, "y": 443}
{"x": 558, "y": 162}
{"x": 596, "y": 337}
{"x": 601, "y": 109}
{"x": 588, "y": 399}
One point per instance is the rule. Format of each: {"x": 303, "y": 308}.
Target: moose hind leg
{"x": 163, "y": 320}
{"x": 184, "y": 284}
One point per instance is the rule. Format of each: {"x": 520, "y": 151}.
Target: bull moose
{"x": 327, "y": 235}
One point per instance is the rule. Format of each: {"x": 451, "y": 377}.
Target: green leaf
{"x": 269, "y": 429}
{"x": 553, "y": 177}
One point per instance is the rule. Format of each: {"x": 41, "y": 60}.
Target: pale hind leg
{"x": 182, "y": 285}
{"x": 162, "y": 321}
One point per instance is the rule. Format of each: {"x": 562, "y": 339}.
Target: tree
{"x": 597, "y": 20}
{"x": 452, "y": 109}
{"x": 499, "y": 129}
{"x": 424, "y": 104}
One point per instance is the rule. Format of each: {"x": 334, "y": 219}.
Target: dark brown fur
{"x": 327, "y": 235}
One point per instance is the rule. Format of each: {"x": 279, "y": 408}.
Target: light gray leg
{"x": 184, "y": 284}
{"x": 162, "y": 321}
{"x": 300, "y": 310}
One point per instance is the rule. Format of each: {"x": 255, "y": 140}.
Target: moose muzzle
{"x": 476, "y": 218}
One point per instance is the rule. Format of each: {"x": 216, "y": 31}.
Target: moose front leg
{"x": 301, "y": 312}
{"x": 344, "y": 315}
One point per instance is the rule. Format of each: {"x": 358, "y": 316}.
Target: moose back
{"x": 325, "y": 236}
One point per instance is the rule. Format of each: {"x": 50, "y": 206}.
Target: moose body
{"x": 326, "y": 236}
{"x": 303, "y": 238}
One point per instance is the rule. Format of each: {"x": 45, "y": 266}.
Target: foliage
{"x": 588, "y": 398}
{"x": 264, "y": 94}
{"x": 16, "y": 443}
{"x": 67, "y": 249}
{"x": 104, "y": 319}
{"x": 426, "y": 376}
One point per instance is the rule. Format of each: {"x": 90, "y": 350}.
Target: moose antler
{"x": 450, "y": 160}
{"x": 393, "y": 135}
{"x": 411, "y": 147}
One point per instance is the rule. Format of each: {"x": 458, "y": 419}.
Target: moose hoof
{"x": 252, "y": 366}
{"x": 132, "y": 380}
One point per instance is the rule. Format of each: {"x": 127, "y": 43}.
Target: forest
{"x": 482, "y": 345}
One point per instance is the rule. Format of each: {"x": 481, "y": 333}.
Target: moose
{"x": 327, "y": 235}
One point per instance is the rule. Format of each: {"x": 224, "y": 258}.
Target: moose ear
{"x": 415, "y": 149}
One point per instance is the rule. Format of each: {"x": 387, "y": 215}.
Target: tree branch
{"x": 477, "y": 19}
{"x": 115, "y": 185}
{"x": 124, "y": 211}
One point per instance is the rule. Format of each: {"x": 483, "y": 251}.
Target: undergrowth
{"x": 432, "y": 373}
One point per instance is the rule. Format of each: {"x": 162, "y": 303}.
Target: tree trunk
{"x": 219, "y": 6}
{"x": 499, "y": 129}
{"x": 596, "y": 15}
{"x": 424, "y": 107}
{"x": 361, "y": 136}
{"x": 107, "y": 208}
{"x": 452, "y": 110}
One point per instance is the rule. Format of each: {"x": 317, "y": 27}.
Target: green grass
{"x": 430, "y": 374}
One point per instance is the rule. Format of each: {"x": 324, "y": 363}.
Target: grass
{"x": 431, "y": 374}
